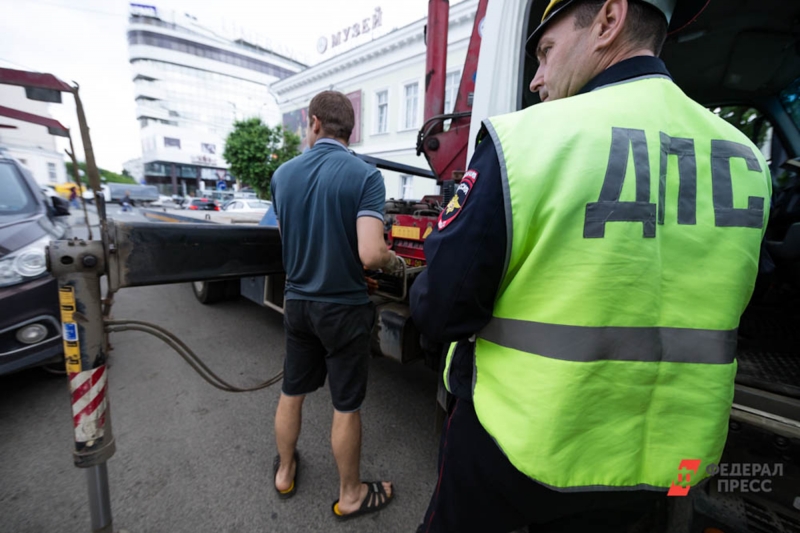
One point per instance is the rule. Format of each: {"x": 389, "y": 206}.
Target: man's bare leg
{"x": 346, "y": 443}
{"x": 288, "y": 419}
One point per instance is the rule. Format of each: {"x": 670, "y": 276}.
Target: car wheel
{"x": 209, "y": 292}
{"x": 56, "y": 366}
{"x": 57, "y": 369}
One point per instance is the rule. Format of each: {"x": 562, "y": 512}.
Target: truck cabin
{"x": 743, "y": 63}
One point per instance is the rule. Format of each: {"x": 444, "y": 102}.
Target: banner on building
{"x": 297, "y": 122}
{"x": 355, "y": 99}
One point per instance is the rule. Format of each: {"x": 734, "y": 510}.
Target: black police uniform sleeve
{"x": 453, "y": 298}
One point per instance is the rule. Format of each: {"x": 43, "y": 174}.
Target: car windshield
{"x": 16, "y": 199}
{"x": 790, "y": 98}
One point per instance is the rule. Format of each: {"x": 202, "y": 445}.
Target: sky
{"x": 85, "y": 41}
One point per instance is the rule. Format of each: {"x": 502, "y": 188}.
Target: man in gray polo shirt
{"x": 329, "y": 206}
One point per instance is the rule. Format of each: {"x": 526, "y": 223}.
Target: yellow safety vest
{"x": 634, "y": 220}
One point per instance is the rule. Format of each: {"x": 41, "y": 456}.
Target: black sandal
{"x": 375, "y": 500}
{"x": 291, "y": 491}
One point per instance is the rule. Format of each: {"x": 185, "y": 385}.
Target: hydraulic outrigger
{"x": 128, "y": 255}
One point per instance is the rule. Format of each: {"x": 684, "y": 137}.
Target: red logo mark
{"x": 685, "y": 471}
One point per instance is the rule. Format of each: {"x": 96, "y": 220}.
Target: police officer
{"x": 590, "y": 274}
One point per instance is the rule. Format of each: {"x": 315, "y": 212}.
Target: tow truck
{"x": 740, "y": 59}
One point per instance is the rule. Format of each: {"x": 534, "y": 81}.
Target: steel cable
{"x": 114, "y": 326}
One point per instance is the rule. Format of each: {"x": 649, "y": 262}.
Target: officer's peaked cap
{"x": 679, "y": 14}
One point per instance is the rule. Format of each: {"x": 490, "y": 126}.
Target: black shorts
{"x": 328, "y": 339}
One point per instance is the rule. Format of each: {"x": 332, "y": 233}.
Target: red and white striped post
{"x": 78, "y": 265}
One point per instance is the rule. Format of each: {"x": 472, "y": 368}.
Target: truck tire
{"x": 210, "y": 292}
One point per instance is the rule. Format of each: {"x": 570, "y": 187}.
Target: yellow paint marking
{"x": 72, "y": 349}
{"x": 162, "y": 217}
{"x": 405, "y": 232}
{"x": 66, "y": 297}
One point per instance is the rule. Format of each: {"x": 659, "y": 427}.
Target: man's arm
{"x": 372, "y": 248}
{"x": 454, "y": 297}
{"x": 272, "y": 184}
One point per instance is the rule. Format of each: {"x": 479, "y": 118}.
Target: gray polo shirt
{"x": 318, "y": 196}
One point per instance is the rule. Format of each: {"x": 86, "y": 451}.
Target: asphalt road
{"x": 193, "y": 458}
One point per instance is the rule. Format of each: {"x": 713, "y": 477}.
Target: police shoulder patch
{"x": 456, "y": 204}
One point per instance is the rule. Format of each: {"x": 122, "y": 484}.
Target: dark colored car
{"x": 30, "y": 326}
{"x": 203, "y": 204}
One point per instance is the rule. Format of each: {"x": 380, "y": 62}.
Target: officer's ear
{"x": 609, "y": 23}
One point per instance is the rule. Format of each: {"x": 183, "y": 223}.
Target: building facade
{"x": 31, "y": 144}
{"x": 135, "y": 169}
{"x": 191, "y": 84}
{"x": 385, "y": 80}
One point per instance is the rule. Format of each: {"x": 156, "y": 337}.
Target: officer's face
{"x": 564, "y": 54}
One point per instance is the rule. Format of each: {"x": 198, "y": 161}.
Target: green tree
{"x": 105, "y": 175}
{"x": 750, "y": 121}
{"x": 254, "y": 152}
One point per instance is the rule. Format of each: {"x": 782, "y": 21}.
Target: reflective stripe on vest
{"x": 635, "y": 218}
{"x": 584, "y": 344}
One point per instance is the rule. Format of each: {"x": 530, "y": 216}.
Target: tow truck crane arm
{"x": 446, "y": 151}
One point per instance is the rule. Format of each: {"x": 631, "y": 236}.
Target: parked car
{"x": 167, "y": 201}
{"x": 141, "y": 194}
{"x": 220, "y": 197}
{"x": 247, "y": 206}
{"x": 202, "y": 204}
{"x": 49, "y": 192}
{"x": 30, "y": 326}
{"x": 88, "y": 194}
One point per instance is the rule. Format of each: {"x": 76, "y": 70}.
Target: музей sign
{"x": 366, "y": 25}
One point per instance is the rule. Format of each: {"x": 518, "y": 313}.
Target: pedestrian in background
{"x": 73, "y": 197}
{"x": 127, "y": 202}
{"x": 329, "y": 206}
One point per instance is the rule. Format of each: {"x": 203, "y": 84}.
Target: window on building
{"x": 410, "y": 105}
{"x": 382, "y": 111}
{"x": 451, "y": 90}
{"x": 451, "y": 83}
{"x": 169, "y": 42}
{"x": 156, "y": 169}
{"x": 171, "y": 142}
{"x": 51, "y": 171}
{"x": 406, "y": 187}
{"x": 208, "y": 148}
